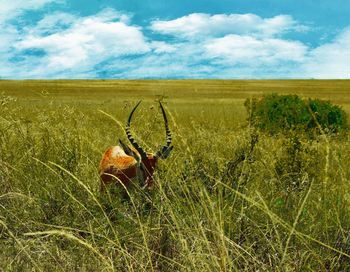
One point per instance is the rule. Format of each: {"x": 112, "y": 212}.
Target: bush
{"x": 280, "y": 113}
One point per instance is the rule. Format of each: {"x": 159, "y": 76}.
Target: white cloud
{"x": 107, "y": 44}
{"x": 51, "y": 24}
{"x": 199, "y": 25}
{"x": 207, "y": 47}
{"x": 163, "y": 47}
{"x": 183, "y": 60}
{"x": 8, "y": 36}
{"x": 11, "y": 9}
{"x": 331, "y": 60}
{"x": 236, "y": 49}
{"x": 65, "y": 45}
{"x": 232, "y": 56}
{"x": 82, "y": 43}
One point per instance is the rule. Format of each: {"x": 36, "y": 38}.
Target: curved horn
{"x": 165, "y": 150}
{"x": 139, "y": 149}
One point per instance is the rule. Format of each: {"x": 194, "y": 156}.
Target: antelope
{"x": 123, "y": 163}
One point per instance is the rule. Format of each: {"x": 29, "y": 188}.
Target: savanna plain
{"x": 229, "y": 197}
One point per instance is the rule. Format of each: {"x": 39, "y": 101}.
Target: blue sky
{"x": 174, "y": 39}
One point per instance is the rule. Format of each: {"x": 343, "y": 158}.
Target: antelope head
{"x": 124, "y": 162}
{"x": 149, "y": 160}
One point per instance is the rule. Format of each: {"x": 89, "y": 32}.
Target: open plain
{"x": 229, "y": 198}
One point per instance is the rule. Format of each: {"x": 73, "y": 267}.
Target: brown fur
{"x": 149, "y": 167}
{"x": 117, "y": 167}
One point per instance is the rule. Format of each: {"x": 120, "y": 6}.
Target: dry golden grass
{"x": 217, "y": 206}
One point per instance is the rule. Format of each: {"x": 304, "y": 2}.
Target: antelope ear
{"x": 165, "y": 152}
{"x": 126, "y": 149}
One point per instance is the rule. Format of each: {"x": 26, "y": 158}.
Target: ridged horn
{"x": 133, "y": 142}
{"x": 165, "y": 150}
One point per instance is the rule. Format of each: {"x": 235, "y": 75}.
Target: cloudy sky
{"x": 174, "y": 39}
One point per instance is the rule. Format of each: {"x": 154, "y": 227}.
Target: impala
{"x": 123, "y": 163}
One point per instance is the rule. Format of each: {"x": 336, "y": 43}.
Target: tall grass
{"x": 228, "y": 199}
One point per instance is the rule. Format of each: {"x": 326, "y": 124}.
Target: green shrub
{"x": 280, "y": 113}
{"x": 328, "y": 116}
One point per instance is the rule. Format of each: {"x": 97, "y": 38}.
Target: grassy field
{"x": 222, "y": 201}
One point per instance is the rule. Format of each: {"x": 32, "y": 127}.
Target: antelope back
{"x": 117, "y": 166}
